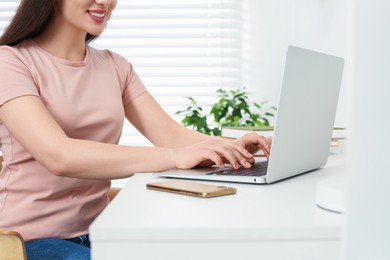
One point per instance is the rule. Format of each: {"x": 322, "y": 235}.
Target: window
{"x": 179, "y": 48}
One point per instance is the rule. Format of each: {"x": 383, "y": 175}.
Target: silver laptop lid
{"x": 306, "y": 113}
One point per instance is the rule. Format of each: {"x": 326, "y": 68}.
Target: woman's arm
{"x": 32, "y": 125}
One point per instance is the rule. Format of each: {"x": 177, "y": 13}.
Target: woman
{"x": 62, "y": 105}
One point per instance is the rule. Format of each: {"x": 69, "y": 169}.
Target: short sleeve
{"x": 15, "y": 77}
{"x": 131, "y": 82}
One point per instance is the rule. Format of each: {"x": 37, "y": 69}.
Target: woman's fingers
{"x": 220, "y": 151}
{"x": 267, "y": 151}
{"x": 244, "y": 152}
{"x": 228, "y": 153}
{"x": 236, "y": 155}
{"x": 216, "y": 159}
{"x": 253, "y": 142}
{"x": 245, "y": 158}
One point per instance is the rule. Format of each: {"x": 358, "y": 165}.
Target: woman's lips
{"x": 97, "y": 15}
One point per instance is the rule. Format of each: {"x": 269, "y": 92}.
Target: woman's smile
{"x": 97, "y": 15}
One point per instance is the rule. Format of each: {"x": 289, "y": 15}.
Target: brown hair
{"x": 31, "y": 18}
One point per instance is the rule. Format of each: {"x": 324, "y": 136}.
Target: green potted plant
{"x": 232, "y": 109}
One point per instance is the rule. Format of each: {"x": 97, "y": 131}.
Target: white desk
{"x": 277, "y": 221}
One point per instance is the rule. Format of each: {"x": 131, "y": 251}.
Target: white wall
{"x": 270, "y": 26}
{"x": 368, "y": 204}
{"x": 267, "y": 31}
{"x": 321, "y": 25}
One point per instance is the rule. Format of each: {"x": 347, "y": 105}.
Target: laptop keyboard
{"x": 258, "y": 169}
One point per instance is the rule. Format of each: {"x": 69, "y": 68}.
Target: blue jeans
{"x": 77, "y": 248}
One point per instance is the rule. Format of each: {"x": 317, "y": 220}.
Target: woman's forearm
{"x": 93, "y": 160}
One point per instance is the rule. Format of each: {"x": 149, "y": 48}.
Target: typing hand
{"x": 213, "y": 151}
{"x": 253, "y": 142}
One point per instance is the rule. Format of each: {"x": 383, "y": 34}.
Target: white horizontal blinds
{"x": 179, "y": 49}
{"x": 7, "y": 11}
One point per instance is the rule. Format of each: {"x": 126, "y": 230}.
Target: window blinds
{"x": 179, "y": 49}
{"x": 7, "y": 10}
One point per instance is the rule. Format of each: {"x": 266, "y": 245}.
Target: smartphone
{"x": 191, "y": 188}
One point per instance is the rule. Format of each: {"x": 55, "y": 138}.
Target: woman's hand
{"x": 216, "y": 151}
{"x": 253, "y": 142}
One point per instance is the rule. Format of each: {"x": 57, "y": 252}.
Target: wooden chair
{"x": 11, "y": 242}
{"x": 11, "y": 245}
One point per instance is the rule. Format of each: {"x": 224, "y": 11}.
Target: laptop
{"x": 303, "y": 126}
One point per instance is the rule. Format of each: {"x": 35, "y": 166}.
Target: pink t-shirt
{"x": 87, "y": 99}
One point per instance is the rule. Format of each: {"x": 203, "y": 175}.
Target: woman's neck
{"x": 65, "y": 43}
